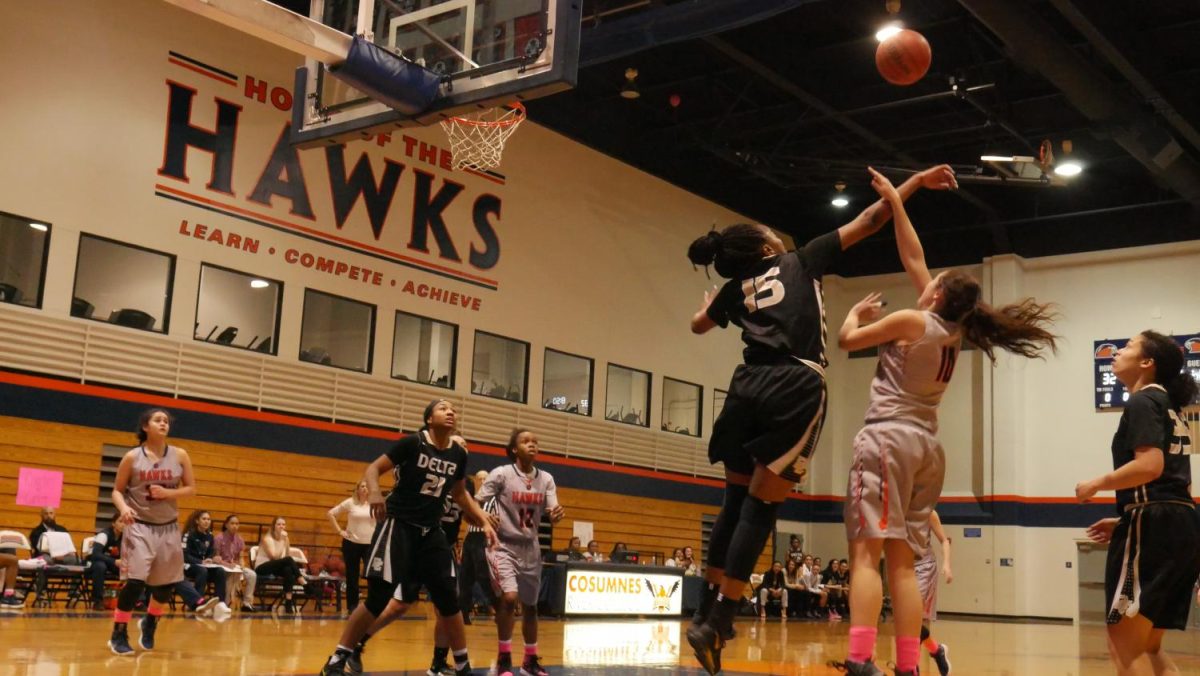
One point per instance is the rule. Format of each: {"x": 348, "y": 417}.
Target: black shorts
{"x": 1153, "y": 563}
{"x": 403, "y": 554}
{"x": 772, "y": 416}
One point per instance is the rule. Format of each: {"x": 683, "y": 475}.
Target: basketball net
{"x": 477, "y": 139}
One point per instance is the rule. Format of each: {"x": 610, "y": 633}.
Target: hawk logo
{"x": 662, "y": 596}
{"x": 377, "y": 564}
{"x": 1192, "y": 345}
{"x": 1106, "y": 351}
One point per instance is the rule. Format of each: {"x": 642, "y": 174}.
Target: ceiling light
{"x": 629, "y": 90}
{"x": 888, "y": 31}
{"x": 996, "y": 158}
{"x": 259, "y": 284}
{"x": 840, "y": 202}
{"x": 1068, "y": 169}
{"x": 39, "y": 226}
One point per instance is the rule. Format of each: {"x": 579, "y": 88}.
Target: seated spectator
{"x": 274, "y": 558}
{"x": 35, "y": 536}
{"x": 573, "y": 550}
{"x": 794, "y": 580}
{"x": 837, "y": 583}
{"x": 8, "y": 567}
{"x": 811, "y": 575}
{"x": 231, "y": 549}
{"x": 593, "y": 552}
{"x": 689, "y": 565}
{"x": 676, "y": 558}
{"x": 105, "y": 559}
{"x": 773, "y": 587}
{"x": 620, "y": 549}
{"x": 201, "y": 561}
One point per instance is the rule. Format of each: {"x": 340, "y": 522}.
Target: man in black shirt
{"x": 105, "y": 560}
{"x": 409, "y": 543}
{"x": 35, "y": 537}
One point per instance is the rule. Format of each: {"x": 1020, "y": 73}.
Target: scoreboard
{"x": 1110, "y": 393}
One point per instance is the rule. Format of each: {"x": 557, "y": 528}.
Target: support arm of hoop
{"x": 399, "y": 83}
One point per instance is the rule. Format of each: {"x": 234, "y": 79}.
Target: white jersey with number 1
{"x": 521, "y": 500}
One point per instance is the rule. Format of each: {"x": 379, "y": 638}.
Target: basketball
{"x": 903, "y": 58}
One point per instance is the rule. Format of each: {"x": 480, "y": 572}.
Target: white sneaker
{"x": 205, "y": 609}
{"x": 221, "y": 611}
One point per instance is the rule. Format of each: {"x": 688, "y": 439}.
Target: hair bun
{"x": 704, "y": 249}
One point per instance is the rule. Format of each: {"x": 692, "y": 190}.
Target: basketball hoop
{"x": 477, "y": 139}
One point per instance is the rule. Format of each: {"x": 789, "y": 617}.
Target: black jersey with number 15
{"x": 424, "y": 475}
{"x": 780, "y": 306}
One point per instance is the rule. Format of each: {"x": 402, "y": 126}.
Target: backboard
{"x": 488, "y": 52}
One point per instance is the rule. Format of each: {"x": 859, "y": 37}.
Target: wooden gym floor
{"x": 65, "y": 643}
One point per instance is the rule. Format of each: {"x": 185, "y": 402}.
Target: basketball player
{"x": 523, "y": 492}
{"x": 408, "y": 593}
{"x": 150, "y": 479}
{"x": 899, "y": 466}
{"x": 1154, "y": 542}
{"x": 408, "y": 543}
{"x": 772, "y": 417}
{"x": 926, "y": 570}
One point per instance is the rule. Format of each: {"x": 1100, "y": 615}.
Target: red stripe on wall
{"x": 203, "y": 72}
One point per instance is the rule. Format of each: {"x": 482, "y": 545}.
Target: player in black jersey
{"x": 773, "y": 413}
{"x": 1154, "y": 542}
{"x": 408, "y": 543}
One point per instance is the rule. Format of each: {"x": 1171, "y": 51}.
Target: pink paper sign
{"x": 39, "y": 487}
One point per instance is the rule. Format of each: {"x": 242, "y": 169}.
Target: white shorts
{"x": 516, "y": 568}
{"x": 152, "y": 553}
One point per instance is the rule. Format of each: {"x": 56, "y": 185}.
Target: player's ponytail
{"x": 1168, "y": 367}
{"x": 733, "y": 251}
{"x": 511, "y": 448}
{"x": 1019, "y": 328}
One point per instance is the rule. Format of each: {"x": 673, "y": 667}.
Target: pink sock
{"x": 862, "y": 643}
{"x": 506, "y": 646}
{"x": 9, "y": 592}
{"x": 122, "y": 616}
{"x": 530, "y": 648}
{"x": 154, "y": 609}
{"x": 908, "y": 651}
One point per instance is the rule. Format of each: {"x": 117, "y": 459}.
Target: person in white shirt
{"x": 356, "y": 537}
{"x": 810, "y": 575}
{"x": 593, "y": 553}
{"x": 676, "y": 558}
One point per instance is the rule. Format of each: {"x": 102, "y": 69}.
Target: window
{"x": 681, "y": 407}
{"x": 24, "y": 245}
{"x": 500, "y": 367}
{"x": 238, "y": 310}
{"x": 567, "y": 382}
{"x": 123, "y": 284}
{"x": 627, "y": 397}
{"x": 424, "y": 350}
{"x": 718, "y": 403}
{"x": 337, "y": 331}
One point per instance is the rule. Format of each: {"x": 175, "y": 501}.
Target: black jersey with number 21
{"x": 781, "y": 305}
{"x": 424, "y": 476}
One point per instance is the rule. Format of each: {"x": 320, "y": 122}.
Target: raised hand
{"x": 868, "y": 309}
{"x": 940, "y": 177}
{"x": 884, "y": 187}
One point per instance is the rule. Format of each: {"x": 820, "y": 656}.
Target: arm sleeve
{"x": 1145, "y": 423}
{"x": 821, "y": 253}
{"x": 721, "y": 308}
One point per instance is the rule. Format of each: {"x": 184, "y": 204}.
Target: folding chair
{"x": 59, "y": 577}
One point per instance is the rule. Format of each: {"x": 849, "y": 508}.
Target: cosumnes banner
{"x": 633, "y": 593}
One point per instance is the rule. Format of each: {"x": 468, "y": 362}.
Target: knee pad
{"x": 379, "y": 593}
{"x": 129, "y": 595}
{"x": 162, "y": 594}
{"x": 726, "y": 523}
{"x": 755, "y": 524}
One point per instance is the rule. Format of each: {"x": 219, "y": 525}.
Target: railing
{"x": 98, "y": 353}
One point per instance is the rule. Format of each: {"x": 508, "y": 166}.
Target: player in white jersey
{"x": 523, "y": 493}
{"x": 150, "y": 479}
{"x": 926, "y": 569}
{"x": 898, "y": 468}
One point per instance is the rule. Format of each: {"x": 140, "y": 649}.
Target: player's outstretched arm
{"x": 871, "y": 219}
{"x": 907, "y": 325}
{"x": 912, "y": 255}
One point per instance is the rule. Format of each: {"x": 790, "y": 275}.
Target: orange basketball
{"x": 903, "y": 58}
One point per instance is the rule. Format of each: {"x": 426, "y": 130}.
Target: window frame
{"x": 45, "y": 257}
{"x": 649, "y": 393}
{"x": 278, "y": 309}
{"x": 168, "y": 303}
{"x": 591, "y": 381}
{"x": 714, "y": 404}
{"x": 699, "y": 408}
{"x": 528, "y": 352}
{"x": 371, "y": 334}
{"x": 453, "y": 354}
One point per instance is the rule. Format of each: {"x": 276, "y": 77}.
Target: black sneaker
{"x": 439, "y": 667}
{"x": 11, "y": 602}
{"x": 354, "y": 661}
{"x": 247, "y": 608}
{"x": 119, "y": 642}
{"x": 942, "y": 659}
{"x": 504, "y": 664}
{"x": 706, "y": 643}
{"x": 532, "y": 666}
{"x": 336, "y": 665}
{"x": 465, "y": 671}
{"x": 289, "y": 607}
{"x": 147, "y": 625}
{"x": 867, "y": 668}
